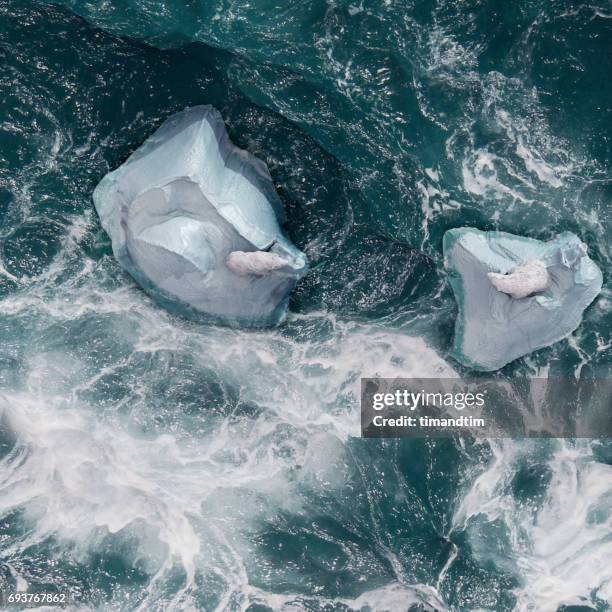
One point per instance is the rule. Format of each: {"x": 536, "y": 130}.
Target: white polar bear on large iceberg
{"x": 195, "y": 221}
{"x": 515, "y": 294}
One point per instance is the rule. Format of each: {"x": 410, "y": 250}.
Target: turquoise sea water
{"x": 150, "y": 463}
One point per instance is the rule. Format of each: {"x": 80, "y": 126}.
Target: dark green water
{"x": 150, "y": 463}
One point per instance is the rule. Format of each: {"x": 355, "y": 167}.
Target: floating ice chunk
{"x": 195, "y": 221}
{"x": 515, "y": 294}
{"x": 524, "y": 280}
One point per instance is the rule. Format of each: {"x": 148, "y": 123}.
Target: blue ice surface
{"x": 492, "y": 328}
{"x": 181, "y": 203}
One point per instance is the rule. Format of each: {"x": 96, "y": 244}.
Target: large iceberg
{"x": 195, "y": 221}
{"x": 515, "y": 294}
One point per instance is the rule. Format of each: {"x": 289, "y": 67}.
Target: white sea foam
{"x": 389, "y": 598}
{"x": 559, "y": 549}
{"x": 188, "y": 500}
{"x": 192, "y": 499}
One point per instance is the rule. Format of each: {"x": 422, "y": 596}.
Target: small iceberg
{"x": 515, "y": 294}
{"x": 196, "y": 222}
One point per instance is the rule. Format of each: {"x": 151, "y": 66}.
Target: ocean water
{"x": 150, "y": 463}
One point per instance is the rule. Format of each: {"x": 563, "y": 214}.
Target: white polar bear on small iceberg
{"x": 515, "y": 294}
{"x": 195, "y": 221}
{"x": 523, "y": 281}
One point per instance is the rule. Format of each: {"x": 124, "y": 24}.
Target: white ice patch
{"x": 185, "y": 203}
{"x": 507, "y": 310}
